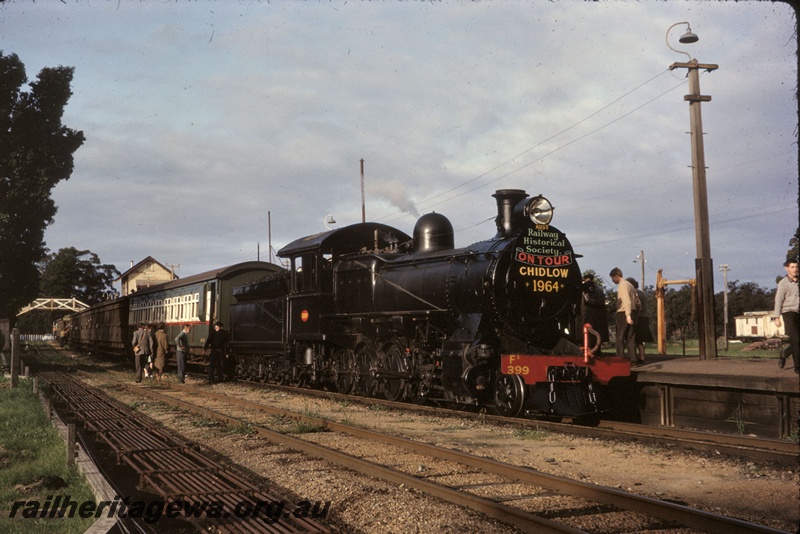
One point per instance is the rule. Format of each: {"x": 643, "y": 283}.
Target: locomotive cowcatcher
{"x": 367, "y": 309}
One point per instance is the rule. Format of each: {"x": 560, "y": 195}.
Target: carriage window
{"x": 326, "y": 273}
{"x": 310, "y": 273}
{"x": 297, "y": 273}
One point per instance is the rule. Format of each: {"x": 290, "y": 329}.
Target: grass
{"x": 306, "y": 427}
{"x": 288, "y": 425}
{"x": 201, "y": 422}
{"x": 531, "y": 434}
{"x": 735, "y": 350}
{"x": 33, "y": 464}
{"x": 244, "y": 429}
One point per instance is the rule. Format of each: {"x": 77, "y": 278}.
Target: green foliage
{"x": 680, "y": 312}
{"x": 69, "y": 273}
{"x": 36, "y": 153}
{"x": 306, "y": 427}
{"x": 33, "y": 460}
{"x": 73, "y": 273}
{"x": 243, "y": 429}
{"x": 794, "y": 246}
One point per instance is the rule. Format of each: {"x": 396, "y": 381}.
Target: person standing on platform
{"x": 642, "y": 329}
{"x": 593, "y": 312}
{"x": 217, "y": 342}
{"x": 625, "y": 319}
{"x": 181, "y": 350}
{"x": 142, "y": 349}
{"x": 162, "y": 350}
{"x": 148, "y": 366}
{"x": 787, "y": 306}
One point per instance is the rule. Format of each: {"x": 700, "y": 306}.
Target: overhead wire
{"x": 680, "y": 226}
{"x": 400, "y": 214}
{"x": 540, "y": 143}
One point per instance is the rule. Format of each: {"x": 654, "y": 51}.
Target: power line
{"x": 680, "y": 226}
{"x": 540, "y": 143}
{"x": 400, "y": 215}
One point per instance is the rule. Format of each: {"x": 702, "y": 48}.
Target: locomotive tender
{"x": 367, "y": 309}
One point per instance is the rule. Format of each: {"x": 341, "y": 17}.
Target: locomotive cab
{"x": 312, "y": 329}
{"x": 309, "y": 293}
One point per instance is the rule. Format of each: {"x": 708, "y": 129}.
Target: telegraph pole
{"x": 363, "y": 205}
{"x": 269, "y": 234}
{"x": 724, "y": 268}
{"x": 703, "y": 263}
{"x": 640, "y": 258}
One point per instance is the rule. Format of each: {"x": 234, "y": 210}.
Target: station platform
{"x": 732, "y": 395}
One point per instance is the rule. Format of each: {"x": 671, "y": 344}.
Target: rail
{"x": 663, "y": 510}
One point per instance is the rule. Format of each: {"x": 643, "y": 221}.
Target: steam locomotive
{"x": 367, "y": 309}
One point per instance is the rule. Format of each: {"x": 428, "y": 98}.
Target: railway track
{"x": 784, "y": 452}
{"x": 525, "y": 486}
{"x": 178, "y": 481}
{"x": 547, "y": 488}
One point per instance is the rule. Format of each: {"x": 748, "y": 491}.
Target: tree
{"x": 73, "y": 273}
{"x": 36, "y": 153}
{"x": 679, "y": 312}
{"x": 794, "y": 246}
{"x": 70, "y": 273}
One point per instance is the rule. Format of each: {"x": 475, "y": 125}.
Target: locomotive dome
{"x": 433, "y": 232}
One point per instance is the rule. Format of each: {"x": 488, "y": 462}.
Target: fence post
{"x": 71, "y": 444}
{"x": 14, "y": 357}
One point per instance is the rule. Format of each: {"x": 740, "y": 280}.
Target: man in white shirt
{"x": 625, "y": 319}
{"x": 787, "y": 303}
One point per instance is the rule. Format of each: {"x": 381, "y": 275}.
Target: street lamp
{"x": 686, "y": 38}
{"x": 703, "y": 264}
{"x": 328, "y": 220}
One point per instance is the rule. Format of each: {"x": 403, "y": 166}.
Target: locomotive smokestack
{"x": 506, "y": 200}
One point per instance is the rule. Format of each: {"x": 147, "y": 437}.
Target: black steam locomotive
{"x": 367, "y": 309}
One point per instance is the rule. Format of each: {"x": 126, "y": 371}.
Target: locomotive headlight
{"x": 540, "y": 210}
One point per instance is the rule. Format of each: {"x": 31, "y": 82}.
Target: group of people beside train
{"x": 631, "y": 320}
{"x": 151, "y": 351}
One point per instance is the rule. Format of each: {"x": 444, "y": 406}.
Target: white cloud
{"x": 217, "y": 113}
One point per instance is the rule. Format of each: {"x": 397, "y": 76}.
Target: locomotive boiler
{"x": 368, "y": 309}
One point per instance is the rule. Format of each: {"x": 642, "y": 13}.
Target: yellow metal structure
{"x": 661, "y": 283}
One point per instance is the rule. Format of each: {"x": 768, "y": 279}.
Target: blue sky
{"x": 203, "y": 117}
